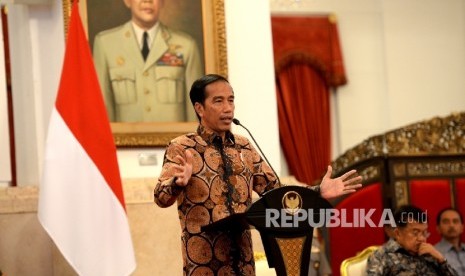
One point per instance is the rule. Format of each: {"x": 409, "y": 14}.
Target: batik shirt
{"x": 224, "y": 174}
{"x": 456, "y": 258}
{"x": 391, "y": 259}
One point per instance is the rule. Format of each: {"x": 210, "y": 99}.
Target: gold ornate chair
{"x": 356, "y": 265}
{"x": 261, "y": 265}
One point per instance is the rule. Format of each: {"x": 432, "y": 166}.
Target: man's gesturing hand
{"x": 345, "y": 184}
{"x": 183, "y": 168}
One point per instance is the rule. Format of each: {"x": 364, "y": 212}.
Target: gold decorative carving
{"x": 143, "y": 139}
{"x": 220, "y": 38}
{"x": 66, "y": 16}
{"x": 401, "y": 193}
{"x": 141, "y": 134}
{"x": 434, "y": 136}
{"x": 437, "y": 136}
{"x": 446, "y": 168}
{"x": 399, "y": 169}
{"x": 369, "y": 173}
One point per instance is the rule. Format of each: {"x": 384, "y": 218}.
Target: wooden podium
{"x": 279, "y": 216}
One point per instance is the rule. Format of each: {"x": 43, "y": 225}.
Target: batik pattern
{"x": 392, "y": 260}
{"x": 225, "y": 173}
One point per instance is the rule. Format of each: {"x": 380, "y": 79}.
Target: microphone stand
{"x": 237, "y": 122}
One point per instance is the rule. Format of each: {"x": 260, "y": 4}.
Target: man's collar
{"x": 210, "y": 136}
{"x": 152, "y": 32}
{"x": 449, "y": 246}
{"x": 392, "y": 246}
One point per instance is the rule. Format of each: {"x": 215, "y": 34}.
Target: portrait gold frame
{"x": 142, "y": 134}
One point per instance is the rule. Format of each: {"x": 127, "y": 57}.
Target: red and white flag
{"x": 81, "y": 201}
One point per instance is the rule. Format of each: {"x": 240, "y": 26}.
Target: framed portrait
{"x": 203, "y": 20}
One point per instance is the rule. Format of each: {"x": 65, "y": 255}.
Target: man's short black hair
{"x": 197, "y": 93}
{"x": 409, "y": 213}
{"x": 438, "y": 218}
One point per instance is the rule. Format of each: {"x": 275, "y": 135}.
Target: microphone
{"x": 237, "y": 122}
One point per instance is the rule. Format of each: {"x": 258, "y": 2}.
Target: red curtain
{"x": 304, "y": 116}
{"x": 308, "y": 61}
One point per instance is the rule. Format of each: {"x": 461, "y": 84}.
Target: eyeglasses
{"x": 416, "y": 233}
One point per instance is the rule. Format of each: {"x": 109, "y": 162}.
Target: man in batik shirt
{"x": 211, "y": 174}
{"x": 409, "y": 253}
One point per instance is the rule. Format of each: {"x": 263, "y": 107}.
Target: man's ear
{"x": 198, "y": 107}
{"x": 396, "y": 233}
{"x": 461, "y": 228}
{"x": 127, "y": 3}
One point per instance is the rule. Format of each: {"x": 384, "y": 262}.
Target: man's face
{"x": 217, "y": 111}
{"x": 450, "y": 226}
{"x": 412, "y": 236}
{"x": 144, "y": 12}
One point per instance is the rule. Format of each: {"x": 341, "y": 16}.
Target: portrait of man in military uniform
{"x": 147, "y": 53}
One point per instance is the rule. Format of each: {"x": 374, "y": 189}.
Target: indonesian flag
{"x": 81, "y": 202}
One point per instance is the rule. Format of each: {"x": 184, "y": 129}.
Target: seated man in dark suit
{"x": 409, "y": 253}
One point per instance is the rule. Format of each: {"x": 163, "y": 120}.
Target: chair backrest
{"x": 341, "y": 247}
{"x": 356, "y": 266}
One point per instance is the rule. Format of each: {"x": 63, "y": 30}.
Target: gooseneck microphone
{"x": 237, "y": 122}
